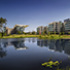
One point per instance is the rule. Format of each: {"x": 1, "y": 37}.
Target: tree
{"x": 23, "y": 32}
{"x": 2, "y": 22}
{"x": 4, "y": 34}
{"x": 44, "y": 32}
{"x": 33, "y": 32}
{"x": 69, "y": 33}
{"x": 38, "y": 32}
{"x": 19, "y": 32}
{"x": 29, "y": 32}
{"x": 63, "y": 33}
{"x": 54, "y": 32}
{"x": 48, "y": 33}
{"x": 60, "y": 34}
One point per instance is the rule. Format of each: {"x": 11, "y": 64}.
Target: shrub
{"x": 0, "y": 34}
{"x": 48, "y": 33}
{"x": 19, "y": 32}
{"x": 69, "y": 33}
{"x": 9, "y": 34}
{"x": 21, "y": 37}
{"x": 5, "y": 34}
{"x": 52, "y": 36}
{"x": 40, "y": 36}
{"x": 54, "y": 32}
{"x": 63, "y": 33}
{"x": 60, "y": 34}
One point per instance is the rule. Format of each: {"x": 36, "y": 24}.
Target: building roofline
{"x": 21, "y": 25}
{"x": 53, "y": 22}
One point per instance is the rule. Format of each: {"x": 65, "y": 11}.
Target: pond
{"x": 30, "y": 53}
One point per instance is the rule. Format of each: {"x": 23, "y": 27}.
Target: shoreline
{"x": 38, "y": 36}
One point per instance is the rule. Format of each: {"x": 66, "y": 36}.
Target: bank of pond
{"x": 38, "y": 36}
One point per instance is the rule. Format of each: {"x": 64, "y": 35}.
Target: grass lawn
{"x": 38, "y": 36}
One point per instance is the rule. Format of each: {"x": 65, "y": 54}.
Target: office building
{"x": 15, "y": 29}
{"x": 40, "y": 30}
{"x": 46, "y": 29}
{"x": 55, "y": 27}
{"x": 67, "y": 25}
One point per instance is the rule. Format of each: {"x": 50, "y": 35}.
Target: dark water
{"x": 30, "y": 53}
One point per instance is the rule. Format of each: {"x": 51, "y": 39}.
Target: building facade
{"x": 46, "y": 29}
{"x": 55, "y": 27}
{"x": 16, "y": 29}
{"x": 40, "y": 30}
{"x": 67, "y": 25}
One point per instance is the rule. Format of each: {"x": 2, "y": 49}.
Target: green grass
{"x": 50, "y": 64}
{"x": 38, "y": 36}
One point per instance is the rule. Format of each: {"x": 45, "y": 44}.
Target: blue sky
{"x": 34, "y": 12}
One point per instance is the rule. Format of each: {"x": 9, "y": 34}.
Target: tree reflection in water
{"x": 2, "y": 49}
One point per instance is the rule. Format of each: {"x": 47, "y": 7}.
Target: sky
{"x": 34, "y": 12}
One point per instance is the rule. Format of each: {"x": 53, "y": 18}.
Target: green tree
{"x": 2, "y": 22}
{"x": 48, "y": 33}
{"x": 33, "y": 32}
{"x": 0, "y": 34}
{"x": 38, "y": 32}
{"x": 54, "y": 32}
{"x": 5, "y": 34}
{"x": 19, "y": 32}
{"x": 23, "y": 32}
{"x": 63, "y": 33}
{"x": 30, "y": 33}
{"x": 69, "y": 33}
{"x": 9, "y": 34}
{"x": 60, "y": 34}
{"x": 44, "y": 32}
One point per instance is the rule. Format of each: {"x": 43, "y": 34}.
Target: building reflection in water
{"x": 56, "y": 45}
{"x": 67, "y": 47}
{"x": 52, "y": 45}
{"x": 45, "y": 43}
{"x": 29, "y": 39}
{"x": 33, "y": 40}
{"x": 42, "y": 43}
{"x": 19, "y": 45}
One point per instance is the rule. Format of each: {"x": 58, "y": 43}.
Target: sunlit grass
{"x": 50, "y": 64}
{"x": 38, "y": 36}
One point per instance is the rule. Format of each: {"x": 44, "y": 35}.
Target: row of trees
{"x": 49, "y": 33}
{"x": 43, "y": 33}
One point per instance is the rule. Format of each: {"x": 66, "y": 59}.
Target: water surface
{"x": 30, "y": 53}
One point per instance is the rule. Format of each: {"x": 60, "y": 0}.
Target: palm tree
{"x": 2, "y": 21}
